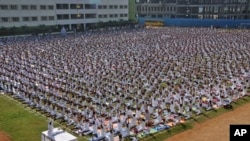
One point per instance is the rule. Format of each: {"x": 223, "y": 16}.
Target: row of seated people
{"x": 118, "y": 75}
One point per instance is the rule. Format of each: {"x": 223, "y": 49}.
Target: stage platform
{"x": 57, "y": 135}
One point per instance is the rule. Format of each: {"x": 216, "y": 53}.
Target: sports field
{"x": 20, "y": 123}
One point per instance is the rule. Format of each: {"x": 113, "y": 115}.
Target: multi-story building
{"x": 156, "y": 8}
{"x": 194, "y": 9}
{"x": 68, "y": 13}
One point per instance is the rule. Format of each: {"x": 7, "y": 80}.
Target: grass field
{"x": 24, "y": 124}
{"x": 20, "y": 122}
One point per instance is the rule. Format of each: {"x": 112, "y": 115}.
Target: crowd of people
{"x": 129, "y": 81}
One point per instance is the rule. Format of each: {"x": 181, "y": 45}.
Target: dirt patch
{"x": 216, "y": 129}
{"x": 4, "y": 136}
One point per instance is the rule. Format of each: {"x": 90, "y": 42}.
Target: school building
{"x": 68, "y": 13}
{"x": 195, "y": 12}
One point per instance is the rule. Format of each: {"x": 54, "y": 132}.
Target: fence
{"x": 183, "y": 22}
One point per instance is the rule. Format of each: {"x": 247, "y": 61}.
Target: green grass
{"x": 20, "y": 124}
{"x": 24, "y": 124}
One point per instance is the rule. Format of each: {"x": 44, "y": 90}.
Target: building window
{"x": 100, "y": 16}
{"x": 200, "y": 10}
{"x": 4, "y": 7}
{"x": 115, "y": 6}
{"x": 51, "y": 18}
{"x": 63, "y": 17}
{"x": 33, "y": 7}
{"x": 43, "y": 7}
{"x": 79, "y": 6}
{"x": 43, "y": 18}
{"x": 121, "y": 15}
{"x": 13, "y": 7}
{"x": 125, "y": 6}
{"x": 15, "y": 19}
{"x": 215, "y": 16}
{"x": 90, "y": 16}
{"x": 76, "y": 16}
{"x": 104, "y": 6}
{"x": 26, "y": 19}
{"x": 115, "y": 15}
{"x": 90, "y": 6}
{"x": 25, "y": 7}
{"x": 51, "y": 7}
{"x": 216, "y": 9}
{"x": 34, "y": 18}
{"x": 105, "y": 16}
{"x": 111, "y": 7}
{"x": 142, "y": 15}
{"x": 225, "y": 9}
{"x": 80, "y": 16}
{"x": 200, "y": 16}
{"x": 5, "y": 19}
{"x": 111, "y": 15}
{"x": 238, "y": 9}
{"x": 62, "y": 6}
{"x": 121, "y": 6}
{"x": 232, "y": 9}
{"x": 76, "y": 6}
{"x": 125, "y": 15}
{"x": 99, "y": 6}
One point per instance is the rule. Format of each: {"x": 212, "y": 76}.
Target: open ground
{"x": 216, "y": 129}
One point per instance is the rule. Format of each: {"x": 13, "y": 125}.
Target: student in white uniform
{"x": 142, "y": 125}
{"x": 133, "y": 121}
{"x": 50, "y": 128}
